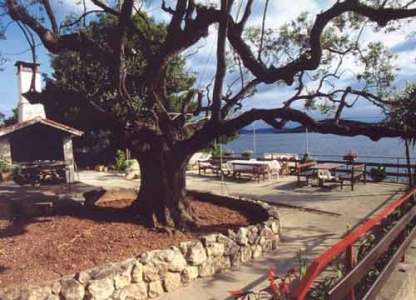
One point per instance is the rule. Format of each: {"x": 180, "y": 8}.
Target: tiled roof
{"x": 18, "y": 126}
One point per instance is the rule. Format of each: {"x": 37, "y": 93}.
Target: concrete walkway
{"x": 313, "y": 220}
{"x": 107, "y": 180}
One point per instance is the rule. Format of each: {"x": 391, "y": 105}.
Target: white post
{"x": 254, "y": 139}
{"x": 69, "y": 158}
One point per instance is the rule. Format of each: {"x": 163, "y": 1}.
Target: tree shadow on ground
{"x": 254, "y": 273}
{"x": 3, "y": 269}
{"x": 213, "y": 177}
{"x": 18, "y": 227}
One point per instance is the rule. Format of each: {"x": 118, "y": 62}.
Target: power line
{"x": 22, "y": 52}
{"x": 206, "y": 64}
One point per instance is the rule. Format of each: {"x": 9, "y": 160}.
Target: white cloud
{"x": 76, "y": 6}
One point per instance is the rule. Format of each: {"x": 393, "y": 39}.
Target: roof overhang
{"x": 13, "y": 128}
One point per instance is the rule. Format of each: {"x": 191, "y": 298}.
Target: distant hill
{"x": 298, "y": 129}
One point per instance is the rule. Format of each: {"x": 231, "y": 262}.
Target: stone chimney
{"x": 28, "y": 111}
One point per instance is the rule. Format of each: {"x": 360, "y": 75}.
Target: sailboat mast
{"x": 254, "y": 139}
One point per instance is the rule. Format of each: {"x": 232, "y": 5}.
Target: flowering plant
{"x": 307, "y": 156}
{"x": 351, "y": 155}
{"x": 278, "y": 289}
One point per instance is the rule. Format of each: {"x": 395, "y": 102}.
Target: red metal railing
{"x": 346, "y": 245}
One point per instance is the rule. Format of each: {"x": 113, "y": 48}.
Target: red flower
{"x": 271, "y": 276}
{"x": 285, "y": 287}
{"x": 274, "y": 289}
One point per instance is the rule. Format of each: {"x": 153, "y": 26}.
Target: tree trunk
{"x": 162, "y": 197}
{"x": 409, "y": 169}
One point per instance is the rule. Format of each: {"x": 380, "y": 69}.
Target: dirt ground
{"x": 45, "y": 248}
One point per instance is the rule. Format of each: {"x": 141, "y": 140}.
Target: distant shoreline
{"x": 298, "y": 129}
{"x": 273, "y": 131}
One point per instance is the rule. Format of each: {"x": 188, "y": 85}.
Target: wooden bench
{"x": 204, "y": 165}
{"x": 302, "y": 170}
{"x": 216, "y": 165}
{"x": 356, "y": 173}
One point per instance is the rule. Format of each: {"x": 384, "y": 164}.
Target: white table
{"x": 255, "y": 167}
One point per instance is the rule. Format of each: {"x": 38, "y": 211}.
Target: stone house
{"x": 35, "y": 138}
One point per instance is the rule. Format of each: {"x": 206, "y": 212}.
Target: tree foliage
{"x": 11, "y": 120}
{"x": 88, "y": 83}
{"x": 401, "y": 114}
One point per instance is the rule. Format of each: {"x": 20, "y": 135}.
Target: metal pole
{"x": 220, "y": 170}
{"x": 254, "y": 139}
{"x": 397, "y": 170}
{"x": 403, "y": 234}
{"x": 349, "y": 264}
{"x": 307, "y": 141}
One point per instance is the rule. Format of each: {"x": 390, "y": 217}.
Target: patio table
{"x": 326, "y": 166}
{"x": 254, "y": 167}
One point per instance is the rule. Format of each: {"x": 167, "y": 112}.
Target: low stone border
{"x": 155, "y": 272}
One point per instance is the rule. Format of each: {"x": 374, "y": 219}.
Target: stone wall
{"x": 162, "y": 271}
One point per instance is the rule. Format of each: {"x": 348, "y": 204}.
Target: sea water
{"x": 323, "y": 146}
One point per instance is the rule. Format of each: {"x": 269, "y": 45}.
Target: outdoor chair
{"x": 199, "y": 156}
{"x": 357, "y": 173}
{"x": 325, "y": 175}
{"x": 284, "y": 170}
{"x": 204, "y": 165}
{"x": 274, "y": 169}
{"x": 303, "y": 171}
{"x": 227, "y": 169}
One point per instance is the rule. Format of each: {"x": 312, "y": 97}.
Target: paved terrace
{"x": 313, "y": 220}
{"x": 317, "y": 220}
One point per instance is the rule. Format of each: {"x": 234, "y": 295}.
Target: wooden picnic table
{"x": 36, "y": 171}
{"x": 326, "y": 166}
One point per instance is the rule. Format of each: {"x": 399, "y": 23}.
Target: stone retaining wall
{"x": 162, "y": 271}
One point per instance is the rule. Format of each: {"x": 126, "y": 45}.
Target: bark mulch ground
{"x": 46, "y": 248}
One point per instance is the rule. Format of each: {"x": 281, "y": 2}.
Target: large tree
{"x": 81, "y": 84}
{"x": 162, "y": 142}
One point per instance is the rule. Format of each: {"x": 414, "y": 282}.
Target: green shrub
{"x": 247, "y": 153}
{"x": 5, "y": 165}
{"x": 378, "y": 174}
{"x": 120, "y": 161}
{"x": 307, "y": 157}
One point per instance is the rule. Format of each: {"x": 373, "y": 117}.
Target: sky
{"x": 202, "y": 61}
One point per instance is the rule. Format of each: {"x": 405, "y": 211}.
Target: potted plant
{"x": 228, "y": 152}
{"x": 378, "y": 174}
{"x": 350, "y": 156}
{"x": 307, "y": 156}
{"x": 247, "y": 154}
{"x": 5, "y": 169}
